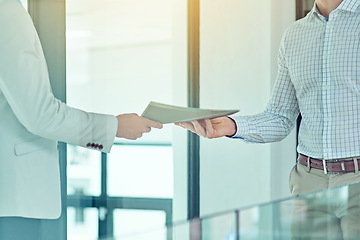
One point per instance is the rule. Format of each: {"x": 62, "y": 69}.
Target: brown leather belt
{"x": 344, "y": 165}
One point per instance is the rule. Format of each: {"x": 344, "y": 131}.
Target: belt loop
{"x": 342, "y": 163}
{"x": 325, "y": 167}
{"x": 356, "y": 165}
{"x": 308, "y": 164}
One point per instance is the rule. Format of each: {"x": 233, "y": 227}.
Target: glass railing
{"x": 332, "y": 213}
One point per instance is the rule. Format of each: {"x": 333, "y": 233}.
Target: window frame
{"x": 108, "y": 204}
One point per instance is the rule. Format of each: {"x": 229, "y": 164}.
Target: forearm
{"x": 265, "y": 127}
{"x": 63, "y": 123}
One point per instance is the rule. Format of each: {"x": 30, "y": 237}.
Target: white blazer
{"x": 32, "y": 121}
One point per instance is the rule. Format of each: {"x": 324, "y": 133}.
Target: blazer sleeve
{"x": 24, "y": 81}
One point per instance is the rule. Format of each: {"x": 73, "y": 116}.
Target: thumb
{"x": 154, "y": 124}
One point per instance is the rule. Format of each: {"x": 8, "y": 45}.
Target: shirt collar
{"x": 346, "y": 5}
{"x": 315, "y": 12}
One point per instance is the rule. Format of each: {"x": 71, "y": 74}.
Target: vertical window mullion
{"x": 105, "y": 213}
{"x": 193, "y": 101}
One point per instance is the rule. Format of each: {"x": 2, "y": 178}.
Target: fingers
{"x": 154, "y": 124}
{"x": 147, "y": 130}
{"x": 187, "y": 125}
{"x": 132, "y": 126}
{"x": 209, "y": 129}
{"x": 150, "y": 123}
{"x": 218, "y": 120}
{"x": 200, "y": 130}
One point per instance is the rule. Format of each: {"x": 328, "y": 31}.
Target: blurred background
{"x": 119, "y": 58}
{"x": 122, "y": 54}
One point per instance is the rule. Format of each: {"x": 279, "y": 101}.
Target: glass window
{"x": 83, "y": 171}
{"x": 82, "y": 223}
{"x": 119, "y": 58}
{"x": 133, "y": 222}
{"x": 141, "y": 171}
{"x": 118, "y": 54}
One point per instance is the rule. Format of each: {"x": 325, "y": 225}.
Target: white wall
{"x": 239, "y": 45}
{"x": 238, "y": 49}
{"x": 234, "y": 73}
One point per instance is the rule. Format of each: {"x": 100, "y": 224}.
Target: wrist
{"x": 232, "y": 127}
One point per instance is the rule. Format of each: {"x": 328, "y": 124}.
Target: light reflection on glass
{"x": 83, "y": 171}
{"x": 141, "y": 171}
{"x": 119, "y": 58}
{"x": 219, "y": 227}
{"x": 131, "y": 224}
{"x": 82, "y": 224}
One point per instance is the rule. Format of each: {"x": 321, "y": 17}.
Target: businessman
{"x": 319, "y": 77}
{"x": 32, "y": 121}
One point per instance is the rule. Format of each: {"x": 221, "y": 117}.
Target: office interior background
{"x": 115, "y": 56}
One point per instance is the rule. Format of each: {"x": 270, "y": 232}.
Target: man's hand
{"x": 214, "y": 128}
{"x": 132, "y": 126}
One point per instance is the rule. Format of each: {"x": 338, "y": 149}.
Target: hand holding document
{"x": 207, "y": 123}
{"x": 164, "y": 113}
{"x": 131, "y": 126}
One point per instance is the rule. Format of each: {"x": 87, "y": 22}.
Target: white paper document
{"x": 164, "y": 113}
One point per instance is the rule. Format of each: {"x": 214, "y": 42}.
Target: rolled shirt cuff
{"x": 242, "y": 127}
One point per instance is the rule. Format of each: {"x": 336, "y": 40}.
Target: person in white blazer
{"x": 32, "y": 120}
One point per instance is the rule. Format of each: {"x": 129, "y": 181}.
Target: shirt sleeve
{"x": 281, "y": 112}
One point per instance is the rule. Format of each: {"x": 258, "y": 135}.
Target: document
{"x": 164, "y": 113}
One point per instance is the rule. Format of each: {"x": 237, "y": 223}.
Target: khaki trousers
{"x": 333, "y": 213}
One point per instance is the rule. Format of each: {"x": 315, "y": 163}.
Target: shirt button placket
{"x": 326, "y": 90}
